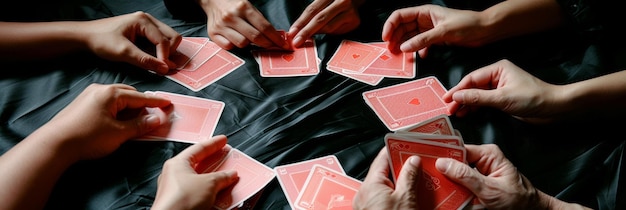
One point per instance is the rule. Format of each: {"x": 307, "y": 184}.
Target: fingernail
{"x": 297, "y": 40}
{"x": 152, "y": 120}
{"x": 458, "y": 97}
{"x": 443, "y": 164}
{"x": 414, "y": 161}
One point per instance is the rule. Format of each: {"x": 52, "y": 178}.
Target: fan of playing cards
{"x": 430, "y": 139}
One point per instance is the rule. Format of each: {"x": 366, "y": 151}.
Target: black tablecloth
{"x": 284, "y": 120}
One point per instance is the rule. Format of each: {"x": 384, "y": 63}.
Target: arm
{"x": 87, "y": 128}
{"x": 417, "y": 28}
{"x": 110, "y": 38}
{"x": 496, "y": 182}
{"x": 505, "y": 86}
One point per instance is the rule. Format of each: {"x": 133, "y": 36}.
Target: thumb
{"x": 409, "y": 174}
{"x": 144, "y": 60}
{"x": 477, "y": 97}
{"x": 141, "y": 125}
{"x": 460, "y": 173}
{"x": 222, "y": 179}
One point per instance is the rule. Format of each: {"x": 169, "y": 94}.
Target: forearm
{"x": 518, "y": 17}
{"x": 27, "y": 41}
{"x": 29, "y": 171}
{"x": 603, "y": 96}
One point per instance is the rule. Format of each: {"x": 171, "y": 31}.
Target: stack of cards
{"x": 431, "y": 139}
{"x": 188, "y": 119}
{"x": 200, "y": 62}
{"x": 319, "y": 183}
{"x": 406, "y": 104}
{"x": 302, "y": 61}
{"x": 371, "y": 62}
{"x": 253, "y": 177}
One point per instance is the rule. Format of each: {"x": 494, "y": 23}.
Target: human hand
{"x": 325, "y": 17}
{"x": 101, "y": 118}
{"x": 114, "y": 39}
{"x": 379, "y": 192}
{"x": 417, "y": 28}
{"x": 501, "y": 186}
{"x": 504, "y": 86}
{"x": 181, "y": 187}
{"x": 238, "y": 23}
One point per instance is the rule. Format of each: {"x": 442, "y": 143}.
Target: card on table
{"x": 399, "y": 65}
{"x": 302, "y": 61}
{"x": 354, "y": 56}
{"x": 434, "y": 189}
{"x": 208, "y": 50}
{"x": 439, "y": 124}
{"x": 406, "y": 104}
{"x": 253, "y": 177}
{"x": 367, "y": 79}
{"x": 327, "y": 189}
{"x": 218, "y": 66}
{"x": 189, "y": 119}
{"x": 186, "y": 50}
{"x": 293, "y": 176}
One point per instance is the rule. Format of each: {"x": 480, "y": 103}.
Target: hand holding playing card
{"x": 182, "y": 187}
{"x": 113, "y": 39}
{"x": 504, "y": 86}
{"x": 379, "y": 192}
{"x": 501, "y": 186}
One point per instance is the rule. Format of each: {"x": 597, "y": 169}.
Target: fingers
{"x": 131, "y": 99}
{"x": 222, "y": 179}
{"x": 314, "y": 17}
{"x": 262, "y": 33}
{"x": 409, "y": 174}
{"x": 199, "y": 151}
{"x": 460, "y": 173}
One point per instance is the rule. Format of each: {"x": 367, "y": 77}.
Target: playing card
{"x": 220, "y": 65}
{"x": 400, "y": 65}
{"x": 439, "y": 124}
{"x": 188, "y": 119}
{"x": 354, "y": 56}
{"x": 186, "y": 50}
{"x": 293, "y": 176}
{"x": 301, "y": 61}
{"x": 253, "y": 177}
{"x": 208, "y": 50}
{"x": 434, "y": 189}
{"x": 367, "y": 79}
{"x": 406, "y": 104}
{"x": 327, "y": 189}
{"x": 444, "y": 139}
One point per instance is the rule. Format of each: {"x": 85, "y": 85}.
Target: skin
{"x": 417, "y": 28}
{"x": 90, "y": 127}
{"x": 505, "y": 86}
{"x": 109, "y": 38}
{"x": 237, "y": 23}
{"x": 181, "y": 187}
{"x": 495, "y": 181}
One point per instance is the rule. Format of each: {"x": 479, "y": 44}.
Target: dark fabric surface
{"x": 284, "y": 120}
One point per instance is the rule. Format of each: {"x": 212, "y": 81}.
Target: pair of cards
{"x": 253, "y": 177}
{"x": 300, "y": 61}
{"x": 188, "y": 119}
{"x": 409, "y": 103}
{"x": 319, "y": 183}
{"x": 371, "y": 62}
{"x": 431, "y": 139}
{"x": 200, "y": 62}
